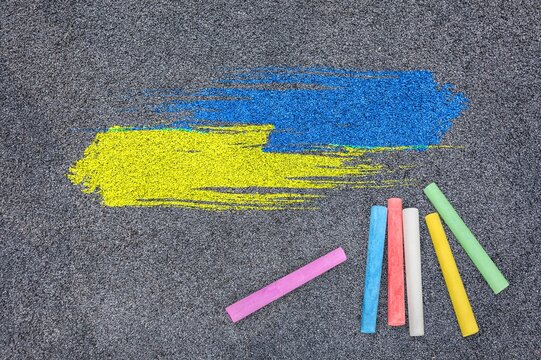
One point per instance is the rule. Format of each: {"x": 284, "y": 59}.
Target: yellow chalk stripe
{"x": 215, "y": 168}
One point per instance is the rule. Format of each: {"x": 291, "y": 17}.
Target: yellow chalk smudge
{"x": 214, "y": 168}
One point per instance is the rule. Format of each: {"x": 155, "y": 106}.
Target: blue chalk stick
{"x": 374, "y": 261}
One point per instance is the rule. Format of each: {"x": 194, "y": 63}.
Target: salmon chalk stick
{"x": 396, "y": 309}
{"x": 467, "y": 240}
{"x": 285, "y": 285}
{"x": 455, "y": 287}
{"x": 414, "y": 281}
{"x": 374, "y": 263}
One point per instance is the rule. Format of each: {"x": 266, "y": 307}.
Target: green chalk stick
{"x": 467, "y": 240}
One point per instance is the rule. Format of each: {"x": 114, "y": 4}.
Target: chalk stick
{"x": 467, "y": 240}
{"x": 396, "y": 307}
{"x": 414, "y": 281}
{"x": 250, "y": 304}
{"x": 374, "y": 262}
{"x": 455, "y": 287}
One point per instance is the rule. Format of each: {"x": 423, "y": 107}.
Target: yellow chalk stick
{"x": 457, "y": 292}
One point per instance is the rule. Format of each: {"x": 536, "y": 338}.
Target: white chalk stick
{"x": 414, "y": 284}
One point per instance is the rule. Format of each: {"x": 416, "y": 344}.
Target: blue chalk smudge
{"x": 311, "y": 108}
{"x": 374, "y": 262}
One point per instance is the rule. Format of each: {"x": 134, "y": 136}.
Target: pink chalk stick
{"x": 396, "y": 303}
{"x": 285, "y": 285}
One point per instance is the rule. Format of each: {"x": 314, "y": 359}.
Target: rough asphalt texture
{"x": 78, "y": 280}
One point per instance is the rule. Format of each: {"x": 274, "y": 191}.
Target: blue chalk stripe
{"x": 311, "y": 108}
{"x": 374, "y": 261}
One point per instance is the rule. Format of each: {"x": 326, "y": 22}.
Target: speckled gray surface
{"x": 78, "y": 280}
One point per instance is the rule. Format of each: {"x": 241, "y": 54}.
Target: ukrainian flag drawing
{"x": 267, "y": 138}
